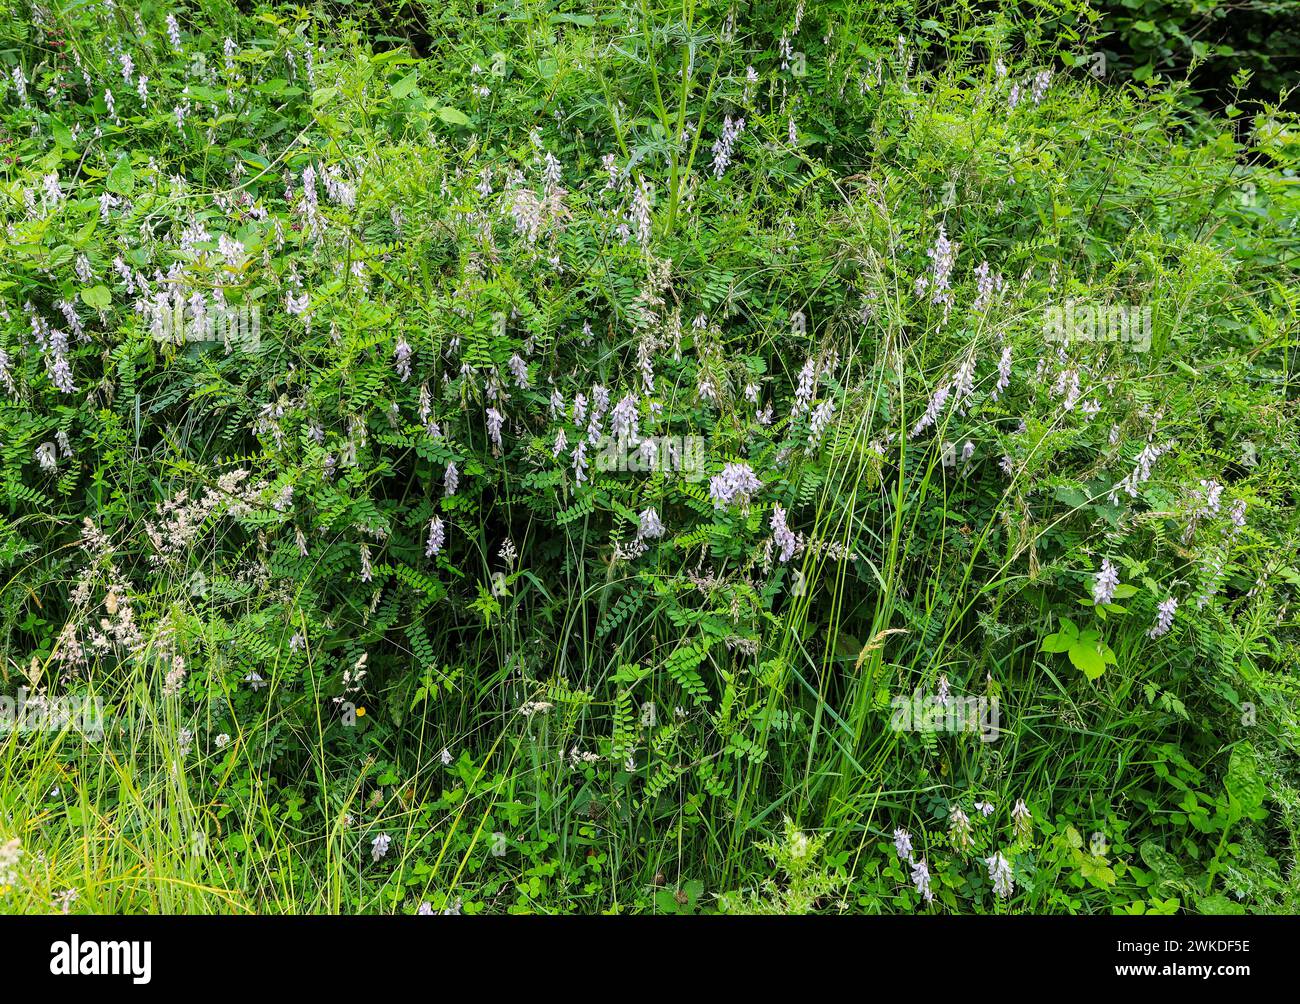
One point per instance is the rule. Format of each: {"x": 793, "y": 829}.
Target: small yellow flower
{"x": 361, "y": 712}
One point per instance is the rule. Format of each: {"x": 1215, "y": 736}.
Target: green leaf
{"x": 406, "y": 85}
{"x": 1245, "y": 786}
{"x": 1087, "y": 657}
{"x": 121, "y": 179}
{"x": 61, "y": 134}
{"x": 453, "y": 116}
{"x": 98, "y": 297}
{"x": 1219, "y": 905}
{"x": 1160, "y": 861}
{"x": 1057, "y": 643}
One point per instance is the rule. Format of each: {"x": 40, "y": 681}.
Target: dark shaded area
{"x": 1170, "y": 36}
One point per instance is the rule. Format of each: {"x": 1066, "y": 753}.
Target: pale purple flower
{"x": 959, "y": 828}
{"x": 451, "y": 480}
{"x": 986, "y": 285}
{"x": 963, "y": 384}
{"x": 903, "y": 844}
{"x": 6, "y": 377}
{"x": 402, "y": 359}
{"x": 1103, "y": 586}
{"x": 519, "y": 370}
{"x": 1164, "y": 617}
{"x": 932, "y": 411}
{"x": 1141, "y": 472}
{"x": 624, "y": 421}
{"x": 599, "y": 405}
{"x": 1237, "y": 513}
{"x": 1004, "y": 374}
{"x": 942, "y": 258}
{"x": 1038, "y": 89}
{"x": 921, "y": 878}
{"x": 174, "y": 32}
{"x": 551, "y": 175}
{"x": 437, "y": 537}
{"x": 649, "y": 525}
{"x": 494, "y": 422}
{"x": 737, "y": 481}
{"x": 782, "y": 535}
{"x": 821, "y": 418}
{"x": 56, "y": 362}
{"x": 640, "y": 215}
{"x": 723, "y": 147}
{"x": 46, "y": 457}
{"x": 1211, "y": 492}
{"x": 1000, "y": 874}
{"x": 1021, "y": 818}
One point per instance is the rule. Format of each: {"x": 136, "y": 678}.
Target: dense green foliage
{"x": 1216, "y": 40}
{"x": 313, "y": 338}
